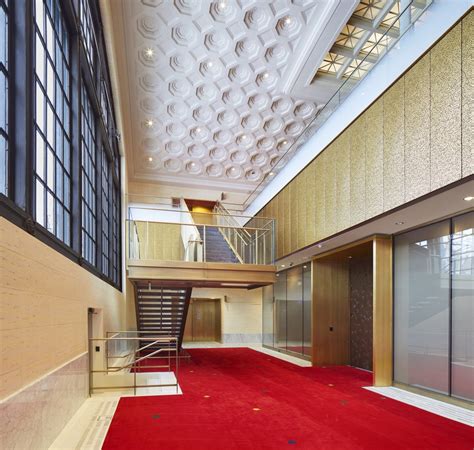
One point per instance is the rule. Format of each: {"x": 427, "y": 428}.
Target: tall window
{"x": 52, "y": 118}
{"x": 116, "y": 234}
{"x": 4, "y": 97}
{"x": 106, "y": 197}
{"x": 89, "y": 191}
{"x": 88, "y": 32}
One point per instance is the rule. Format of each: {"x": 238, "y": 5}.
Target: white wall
{"x": 241, "y": 312}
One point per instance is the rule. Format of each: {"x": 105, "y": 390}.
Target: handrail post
{"x": 205, "y": 249}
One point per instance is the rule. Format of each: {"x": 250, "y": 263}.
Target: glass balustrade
{"x": 221, "y": 237}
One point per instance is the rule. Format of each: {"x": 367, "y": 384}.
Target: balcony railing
{"x": 181, "y": 235}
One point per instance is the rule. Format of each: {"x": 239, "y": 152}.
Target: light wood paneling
{"x": 203, "y": 323}
{"x": 383, "y": 320}
{"x": 331, "y": 313}
{"x": 393, "y": 145}
{"x": 43, "y": 308}
{"x": 468, "y": 95}
{"x": 417, "y": 129}
{"x": 302, "y": 209}
{"x": 294, "y": 216}
{"x": 446, "y": 110}
{"x": 286, "y": 220}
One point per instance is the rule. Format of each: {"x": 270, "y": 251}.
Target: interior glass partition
{"x": 433, "y": 307}
{"x": 287, "y": 312}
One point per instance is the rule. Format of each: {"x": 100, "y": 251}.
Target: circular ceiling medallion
{"x": 202, "y": 114}
{"x": 256, "y": 18}
{"x": 233, "y": 97}
{"x": 287, "y": 26}
{"x": 258, "y": 101}
{"x": 265, "y": 143}
{"x": 253, "y": 174}
{"x": 150, "y": 144}
{"x": 206, "y": 92}
{"x": 247, "y": 48}
{"x": 179, "y": 88}
{"x": 197, "y": 151}
{"x": 174, "y": 148}
{"x": 223, "y": 137}
{"x": 282, "y": 105}
{"x": 173, "y": 164}
{"x": 259, "y": 159}
{"x": 218, "y": 154}
{"x": 294, "y": 128}
{"x": 234, "y": 172}
{"x": 239, "y": 156}
{"x": 227, "y": 118}
{"x": 178, "y": 110}
{"x": 184, "y": 34}
{"x": 216, "y": 41}
{"x": 276, "y": 54}
{"x": 304, "y": 110}
{"x": 150, "y": 104}
{"x": 214, "y": 170}
{"x": 194, "y": 167}
{"x": 181, "y": 62}
{"x": 273, "y": 125}
{"x": 251, "y": 121}
{"x": 176, "y": 130}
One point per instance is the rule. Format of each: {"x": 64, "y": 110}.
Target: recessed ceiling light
{"x": 349, "y": 257}
{"x": 149, "y": 52}
{"x": 149, "y": 123}
{"x": 222, "y": 5}
{"x": 150, "y": 159}
{"x": 266, "y": 75}
{"x": 399, "y": 223}
{"x": 469, "y": 198}
{"x": 287, "y": 19}
{"x": 285, "y": 142}
{"x": 210, "y": 64}
{"x": 320, "y": 245}
{"x": 304, "y": 267}
{"x": 283, "y": 265}
{"x": 271, "y": 174}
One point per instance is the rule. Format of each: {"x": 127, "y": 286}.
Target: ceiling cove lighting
{"x": 469, "y": 198}
{"x": 399, "y": 223}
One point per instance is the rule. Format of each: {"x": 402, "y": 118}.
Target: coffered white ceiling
{"x": 207, "y": 101}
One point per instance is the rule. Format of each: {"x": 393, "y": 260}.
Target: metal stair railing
{"x": 169, "y": 344}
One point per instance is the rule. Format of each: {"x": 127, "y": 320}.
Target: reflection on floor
{"x": 236, "y": 398}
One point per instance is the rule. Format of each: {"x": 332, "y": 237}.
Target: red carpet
{"x": 243, "y": 399}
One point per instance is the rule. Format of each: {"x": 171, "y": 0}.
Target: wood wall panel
{"x": 393, "y": 145}
{"x": 357, "y": 179}
{"x": 286, "y": 218}
{"x": 417, "y": 129}
{"x": 403, "y": 146}
{"x": 343, "y": 181}
{"x": 43, "y": 308}
{"x": 301, "y": 183}
{"x": 331, "y": 313}
{"x": 446, "y": 110}
{"x": 468, "y": 95}
{"x": 382, "y": 321}
{"x": 374, "y": 160}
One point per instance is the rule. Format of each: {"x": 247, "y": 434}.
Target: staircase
{"x": 161, "y": 311}
{"x": 216, "y": 247}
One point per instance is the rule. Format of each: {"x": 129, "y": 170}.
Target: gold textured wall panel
{"x": 286, "y": 219}
{"x": 393, "y": 145}
{"x": 357, "y": 180}
{"x": 403, "y": 146}
{"x": 302, "y": 208}
{"x": 446, "y": 110}
{"x": 310, "y": 197}
{"x": 417, "y": 129}
{"x": 374, "y": 160}
{"x": 152, "y": 244}
{"x": 343, "y": 183}
{"x": 330, "y": 190}
{"x": 293, "y": 216}
{"x": 468, "y": 95}
{"x": 320, "y": 199}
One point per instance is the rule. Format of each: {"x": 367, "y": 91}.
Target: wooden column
{"x": 383, "y": 312}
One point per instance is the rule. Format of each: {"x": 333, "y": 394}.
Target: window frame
{"x": 19, "y": 205}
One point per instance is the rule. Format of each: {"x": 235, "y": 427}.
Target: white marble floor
{"x": 431, "y": 405}
{"x": 88, "y": 427}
